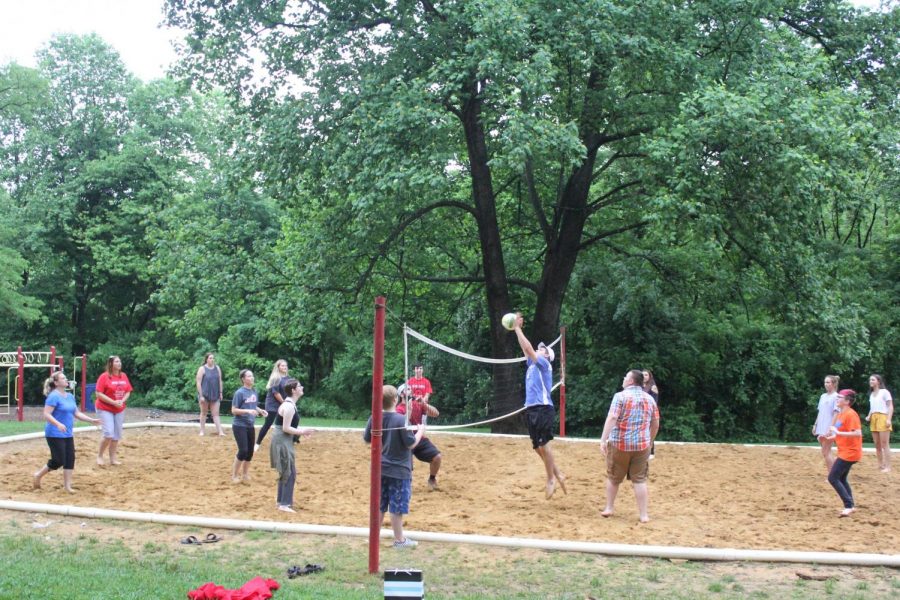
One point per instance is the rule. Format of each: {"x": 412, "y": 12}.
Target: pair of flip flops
{"x": 299, "y": 571}
{"x": 209, "y": 539}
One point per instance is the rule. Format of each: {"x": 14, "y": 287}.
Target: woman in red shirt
{"x": 846, "y": 430}
{"x": 113, "y": 389}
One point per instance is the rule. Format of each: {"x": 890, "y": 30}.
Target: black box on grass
{"x": 403, "y": 584}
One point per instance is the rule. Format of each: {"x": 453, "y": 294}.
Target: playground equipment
{"x": 15, "y": 364}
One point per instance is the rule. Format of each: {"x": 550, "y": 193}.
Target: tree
{"x": 526, "y": 128}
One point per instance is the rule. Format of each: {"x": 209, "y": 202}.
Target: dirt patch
{"x": 703, "y": 496}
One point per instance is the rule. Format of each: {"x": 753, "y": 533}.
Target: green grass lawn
{"x": 98, "y": 559}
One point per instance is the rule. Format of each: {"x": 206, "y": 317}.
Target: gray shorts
{"x": 111, "y": 424}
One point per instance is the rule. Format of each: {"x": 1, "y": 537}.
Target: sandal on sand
{"x": 298, "y": 571}
{"x": 211, "y": 538}
{"x": 191, "y": 540}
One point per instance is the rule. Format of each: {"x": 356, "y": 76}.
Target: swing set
{"x": 15, "y": 364}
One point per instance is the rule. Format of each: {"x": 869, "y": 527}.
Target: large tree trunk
{"x": 496, "y": 287}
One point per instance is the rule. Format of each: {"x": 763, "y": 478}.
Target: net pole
{"x": 377, "y": 393}
{"x": 52, "y": 360}
{"x": 562, "y": 380}
{"x": 83, "y": 379}
{"x": 405, "y": 398}
{"x": 20, "y": 385}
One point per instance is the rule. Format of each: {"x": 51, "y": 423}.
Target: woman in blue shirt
{"x": 60, "y": 412}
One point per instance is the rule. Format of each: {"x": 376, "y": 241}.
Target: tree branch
{"x": 536, "y": 203}
{"x": 600, "y": 202}
{"x": 398, "y": 229}
{"x": 809, "y": 33}
{"x": 611, "y": 232}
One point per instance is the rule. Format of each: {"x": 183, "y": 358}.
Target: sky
{"x": 130, "y": 26}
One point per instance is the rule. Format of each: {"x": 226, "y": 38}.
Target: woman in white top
{"x": 881, "y": 411}
{"x": 827, "y": 410}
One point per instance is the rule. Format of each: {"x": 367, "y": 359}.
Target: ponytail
{"x": 48, "y": 385}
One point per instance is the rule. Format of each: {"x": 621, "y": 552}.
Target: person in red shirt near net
{"x": 113, "y": 390}
{"x": 846, "y": 430}
{"x": 419, "y": 388}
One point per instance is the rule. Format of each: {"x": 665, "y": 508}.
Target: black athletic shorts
{"x": 541, "y": 421}
{"x": 425, "y": 450}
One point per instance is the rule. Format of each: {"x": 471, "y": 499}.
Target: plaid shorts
{"x": 395, "y": 495}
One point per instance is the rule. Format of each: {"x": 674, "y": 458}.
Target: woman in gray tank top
{"x": 209, "y": 392}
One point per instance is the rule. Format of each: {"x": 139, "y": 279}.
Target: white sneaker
{"x": 406, "y": 543}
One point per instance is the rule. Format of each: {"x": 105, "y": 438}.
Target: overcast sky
{"x": 130, "y": 26}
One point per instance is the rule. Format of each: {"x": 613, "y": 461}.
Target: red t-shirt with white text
{"x": 114, "y": 386}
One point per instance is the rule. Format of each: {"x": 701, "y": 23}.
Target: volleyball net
{"x": 469, "y": 390}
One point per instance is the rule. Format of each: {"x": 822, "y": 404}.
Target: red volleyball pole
{"x": 20, "y": 385}
{"x": 375, "y": 480}
{"x": 562, "y": 382}
{"x": 52, "y": 359}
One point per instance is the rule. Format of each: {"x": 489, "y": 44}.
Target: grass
{"x": 98, "y": 559}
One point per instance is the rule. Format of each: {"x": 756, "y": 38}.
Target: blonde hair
{"x": 50, "y": 382}
{"x": 275, "y": 377}
{"x": 388, "y": 397}
{"x": 835, "y": 380}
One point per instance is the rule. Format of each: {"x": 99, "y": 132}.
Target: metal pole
{"x": 562, "y": 380}
{"x": 83, "y": 379}
{"x": 52, "y": 359}
{"x": 20, "y": 386}
{"x": 377, "y": 394}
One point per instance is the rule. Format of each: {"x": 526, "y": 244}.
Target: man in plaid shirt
{"x": 630, "y": 428}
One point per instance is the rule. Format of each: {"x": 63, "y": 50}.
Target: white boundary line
{"x": 675, "y": 552}
{"x": 573, "y": 440}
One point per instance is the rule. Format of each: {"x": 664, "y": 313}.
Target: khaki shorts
{"x": 878, "y": 422}
{"x": 619, "y": 463}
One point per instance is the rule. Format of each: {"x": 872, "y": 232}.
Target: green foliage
{"x": 707, "y": 190}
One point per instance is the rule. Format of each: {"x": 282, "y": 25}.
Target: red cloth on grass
{"x": 255, "y": 589}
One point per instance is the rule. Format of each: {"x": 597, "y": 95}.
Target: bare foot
{"x": 221, "y": 434}
{"x": 36, "y": 484}
{"x": 562, "y": 483}
{"x": 551, "y": 489}
{"x": 70, "y": 490}
{"x": 886, "y": 470}
{"x": 100, "y": 462}
{"x": 202, "y": 433}
{"x": 235, "y": 480}
{"x": 116, "y": 462}
{"x": 607, "y": 512}
{"x": 246, "y": 478}
{"x": 644, "y": 519}
{"x": 286, "y": 509}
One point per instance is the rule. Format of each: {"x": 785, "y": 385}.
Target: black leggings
{"x": 837, "y": 477}
{"x": 265, "y": 428}
{"x": 62, "y": 453}
{"x": 244, "y": 438}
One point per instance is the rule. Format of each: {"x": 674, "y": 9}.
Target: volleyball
{"x": 509, "y": 321}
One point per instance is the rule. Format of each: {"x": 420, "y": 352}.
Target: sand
{"x": 722, "y": 496}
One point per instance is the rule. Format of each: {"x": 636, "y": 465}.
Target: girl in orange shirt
{"x": 846, "y": 430}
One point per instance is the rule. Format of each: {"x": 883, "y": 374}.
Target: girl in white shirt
{"x": 881, "y": 411}
{"x": 827, "y": 410}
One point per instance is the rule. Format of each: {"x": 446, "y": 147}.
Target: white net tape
{"x": 449, "y": 350}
